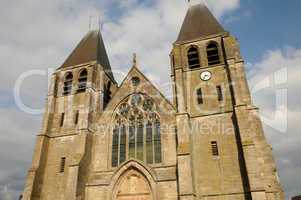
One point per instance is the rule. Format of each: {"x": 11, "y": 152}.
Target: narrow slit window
{"x": 214, "y": 148}
{"x": 62, "y": 119}
{"x": 199, "y": 94}
{"x": 219, "y": 93}
{"x": 193, "y": 58}
{"x": 213, "y": 54}
{"x": 76, "y": 117}
{"x": 62, "y": 165}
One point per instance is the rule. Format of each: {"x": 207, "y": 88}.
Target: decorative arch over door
{"x": 133, "y": 186}
{"x": 133, "y": 181}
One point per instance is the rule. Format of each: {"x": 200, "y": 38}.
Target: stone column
{"x": 41, "y": 144}
{"x": 185, "y": 175}
{"x": 249, "y": 133}
{"x": 72, "y": 179}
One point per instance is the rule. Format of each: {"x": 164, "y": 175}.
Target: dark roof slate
{"x": 199, "y": 22}
{"x": 91, "y": 48}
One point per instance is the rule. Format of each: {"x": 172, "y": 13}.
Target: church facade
{"x": 104, "y": 141}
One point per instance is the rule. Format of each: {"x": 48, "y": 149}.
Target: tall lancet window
{"x": 68, "y": 83}
{"x": 193, "y": 58}
{"x": 149, "y": 143}
{"x": 212, "y": 54}
{"x": 137, "y": 133}
{"x": 107, "y": 94}
{"x": 82, "y": 81}
{"x": 157, "y": 141}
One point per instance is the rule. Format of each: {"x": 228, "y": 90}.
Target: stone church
{"x": 101, "y": 140}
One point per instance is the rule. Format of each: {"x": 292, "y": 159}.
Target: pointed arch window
{"x": 107, "y": 94}
{"x": 115, "y": 147}
{"x": 68, "y": 84}
{"x": 193, "y": 58}
{"x": 157, "y": 142}
{"x": 213, "y": 54}
{"x": 122, "y": 151}
{"x": 82, "y": 81}
{"x": 137, "y": 132}
{"x": 149, "y": 143}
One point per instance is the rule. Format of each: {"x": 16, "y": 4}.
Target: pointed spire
{"x": 91, "y": 48}
{"x": 199, "y": 22}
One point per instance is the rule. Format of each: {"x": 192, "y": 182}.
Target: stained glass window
{"x": 115, "y": 146}
{"x": 138, "y": 134}
{"x": 149, "y": 143}
{"x": 157, "y": 141}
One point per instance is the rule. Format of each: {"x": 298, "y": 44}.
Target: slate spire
{"x": 91, "y": 48}
{"x": 199, "y": 22}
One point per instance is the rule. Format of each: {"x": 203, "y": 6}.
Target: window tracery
{"x": 136, "y": 131}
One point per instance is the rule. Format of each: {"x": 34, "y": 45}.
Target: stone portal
{"x": 133, "y": 186}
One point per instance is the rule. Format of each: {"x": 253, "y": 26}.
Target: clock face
{"x": 206, "y": 76}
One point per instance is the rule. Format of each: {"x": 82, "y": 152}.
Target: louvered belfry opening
{"x": 68, "y": 84}
{"x": 62, "y": 164}
{"x": 193, "y": 58}
{"x": 82, "y": 81}
{"x": 214, "y": 148}
{"x": 213, "y": 54}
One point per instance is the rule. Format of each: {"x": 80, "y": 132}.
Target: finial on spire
{"x": 195, "y": 2}
{"x": 134, "y": 60}
{"x": 95, "y": 21}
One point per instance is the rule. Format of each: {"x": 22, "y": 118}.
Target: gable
{"x": 145, "y": 87}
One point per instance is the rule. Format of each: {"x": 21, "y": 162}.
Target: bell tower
{"x": 220, "y": 135}
{"x": 80, "y": 89}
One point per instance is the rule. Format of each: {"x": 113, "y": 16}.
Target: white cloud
{"x": 150, "y": 31}
{"x": 41, "y": 34}
{"x": 219, "y": 7}
{"x": 286, "y": 144}
{"x": 38, "y": 35}
{"x": 6, "y": 194}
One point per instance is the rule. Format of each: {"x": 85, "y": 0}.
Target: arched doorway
{"x": 133, "y": 186}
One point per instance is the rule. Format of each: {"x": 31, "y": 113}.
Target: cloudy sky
{"x": 39, "y": 35}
